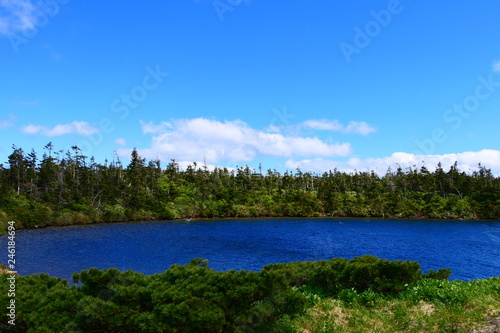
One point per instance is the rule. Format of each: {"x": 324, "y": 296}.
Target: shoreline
{"x": 183, "y": 219}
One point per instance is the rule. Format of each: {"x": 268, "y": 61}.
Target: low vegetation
{"x": 426, "y": 306}
{"x": 65, "y": 188}
{"x": 365, "y": 294}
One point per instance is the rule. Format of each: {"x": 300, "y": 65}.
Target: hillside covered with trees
{"x": 64, "y": 188}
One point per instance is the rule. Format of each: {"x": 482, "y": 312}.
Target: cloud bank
{"x": 230, "y": 141}
{"x": 467, "y": 161}
{"x": 216, "y": 142}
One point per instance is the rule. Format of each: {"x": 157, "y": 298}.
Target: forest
{"x": 66, "y": 188}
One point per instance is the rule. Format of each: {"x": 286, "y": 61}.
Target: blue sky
{"x": 312, "y": 84}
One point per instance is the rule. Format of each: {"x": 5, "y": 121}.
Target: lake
{"x": 471, "y": 249}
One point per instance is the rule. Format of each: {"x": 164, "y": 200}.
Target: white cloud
{"x": 360, "y": 127}
{"x": 32, "y": 129}
{"x": 323, "y": 125}
{"x": 79, "y": 127}
{"x": 16, "y": 16}
{"x": 496, "y": 66}
{"x": 6, "y": 124}
{"x": 155, "y": 129}
{"x": 121, "y": 141}
{"x": 183, "y": 165}
{"x": 230, "y": 141}
{"x": 466, "y": 161}
{"x": 76, "y": 127}
{"x": 354, "y": 127}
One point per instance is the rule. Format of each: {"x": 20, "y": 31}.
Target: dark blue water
{"x": 470, "y": 249}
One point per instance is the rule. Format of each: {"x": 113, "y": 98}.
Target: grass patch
{"x": 426, "y": 306}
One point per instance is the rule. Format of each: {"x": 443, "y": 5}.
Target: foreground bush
{"x": 195, "y": 298}
{"x": 189, "y": 298}
{"x": 360, "y": 273}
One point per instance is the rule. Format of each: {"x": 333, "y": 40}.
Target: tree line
{"x": 63, "y": 188}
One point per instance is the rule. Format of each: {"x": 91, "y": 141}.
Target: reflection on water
{"x": 470, "y": 249}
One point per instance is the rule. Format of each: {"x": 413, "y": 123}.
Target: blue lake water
{"x": 470, "y": 248}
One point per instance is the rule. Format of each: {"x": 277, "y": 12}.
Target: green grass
{"x": 426, "y": 306}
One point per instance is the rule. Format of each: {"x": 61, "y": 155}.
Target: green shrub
{"x": 63, "y": 218}
{"x": 138, "y": 215}
{"x": 369, "y": 297}
{"x": 3, "y": 223}
{"x": 114, "y": 213}
{"x": 240, "y": 211}
{"x": 360, "y": 273}
{"x": 447, "y": 292}
{"x": 167, "y": 211}
{"x": 42, "y": 303}
{"x": 348, "y": 295}
{"x": 312, "y": 293}
{"x": 189, "y": 298}
{"x": 379, "y": 275}
{"x": 31, "y": 214}
{"x": 441, "y": 274}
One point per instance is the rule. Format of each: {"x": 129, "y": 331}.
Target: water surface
{"x": 470, "y": 248}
